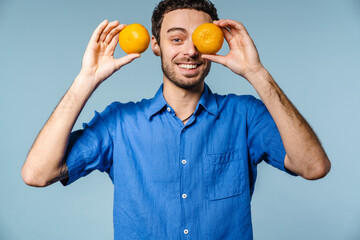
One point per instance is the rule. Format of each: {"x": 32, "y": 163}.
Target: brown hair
{"x": 166, "y": 6}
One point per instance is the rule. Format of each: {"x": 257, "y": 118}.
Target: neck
{"x": 183, "y": 101}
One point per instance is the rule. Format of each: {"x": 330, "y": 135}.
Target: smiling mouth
{"x": 188, "y": 66}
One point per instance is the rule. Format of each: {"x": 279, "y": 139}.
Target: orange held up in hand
{"x": 208, "y": 38}
{"x": 134, "y": 38}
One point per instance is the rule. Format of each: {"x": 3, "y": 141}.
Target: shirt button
{"x": 186, "y": 231}
{"x": 184, "y": 196}
{"x": 183, "y": 161}
{"x": 168, "y": 109}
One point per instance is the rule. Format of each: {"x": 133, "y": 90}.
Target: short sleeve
{"x": 264, "y": 139}
{"x": 90, "y": 148}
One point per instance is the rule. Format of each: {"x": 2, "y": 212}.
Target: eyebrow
{"x": 176, "y": 29}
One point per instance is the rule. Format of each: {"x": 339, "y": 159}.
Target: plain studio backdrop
{"x": 310, "y": 47}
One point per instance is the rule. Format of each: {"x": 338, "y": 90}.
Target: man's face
{"x": 180, "y": 60}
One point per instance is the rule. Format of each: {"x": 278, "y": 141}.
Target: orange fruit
{"x": 208, "y": 38}
{"x": 134, "y": 38}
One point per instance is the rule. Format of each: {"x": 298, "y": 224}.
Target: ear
{"x": 155, "y": 46}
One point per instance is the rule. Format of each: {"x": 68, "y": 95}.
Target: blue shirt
{"x": 175, "y": 181}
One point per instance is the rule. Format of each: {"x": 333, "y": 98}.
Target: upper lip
{"x": 190, "y": 63}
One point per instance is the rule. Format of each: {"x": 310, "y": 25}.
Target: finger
{"x": 112, "y": 45}
{"x": 214, "y": 58}
{"x": 99, "y": 29}
{"x": 234, "y": 25}
{"x": 220, "y": 22}
{"x": 108, "y": 29}
{"x": 125, "y": 60}
{"x": 114, "y": 32}
{"x": 227, "y": 34}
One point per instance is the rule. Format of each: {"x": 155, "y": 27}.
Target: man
{"x": 184, "y": 163}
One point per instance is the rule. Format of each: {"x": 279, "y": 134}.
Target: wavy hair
{"x": 166, "y": 6}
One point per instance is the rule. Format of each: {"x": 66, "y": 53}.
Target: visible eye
{"x": 176, "y": 40}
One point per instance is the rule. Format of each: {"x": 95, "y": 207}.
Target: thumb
{"x": 214, "y": 58}
{"x": 125, "y": 60}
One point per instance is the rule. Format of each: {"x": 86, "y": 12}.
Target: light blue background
{"x": 310, "y": 47}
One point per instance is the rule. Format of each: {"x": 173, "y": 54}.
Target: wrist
{"x": 84, "y": 84}
{"x": 258, "y": 77}
{"x": 264, "y": 84}
{"x": 256, "y": 73}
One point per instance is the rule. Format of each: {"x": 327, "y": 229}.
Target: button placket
{"x": 183, "y": 162}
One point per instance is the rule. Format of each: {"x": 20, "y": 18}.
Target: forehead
{"x": 187, "y": 19}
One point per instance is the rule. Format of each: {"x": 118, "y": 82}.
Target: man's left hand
{"x": 243, "y": 58}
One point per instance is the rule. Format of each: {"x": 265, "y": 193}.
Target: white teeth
{"x": 188, "y": 66}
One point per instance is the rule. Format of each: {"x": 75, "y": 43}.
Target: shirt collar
{"x": 207, "y": 101}
{"x": 157, "y": 103}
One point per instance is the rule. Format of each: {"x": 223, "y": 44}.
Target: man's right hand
{"x": 98, "y": 61}
{"x": 45, "y": 163}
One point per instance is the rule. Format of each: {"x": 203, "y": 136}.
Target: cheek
{"x": 169, "y": 53}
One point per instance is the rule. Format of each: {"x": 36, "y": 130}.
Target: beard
{"x": 184, "y": 83}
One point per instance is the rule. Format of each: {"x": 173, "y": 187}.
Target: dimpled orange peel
{"x": 208, "y": 38}
{"x": 134, "y": 38}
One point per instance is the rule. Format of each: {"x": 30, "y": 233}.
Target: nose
{"x": 190, "y": 49}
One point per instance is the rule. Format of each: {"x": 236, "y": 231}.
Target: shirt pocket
{"x": 224, "y": 174}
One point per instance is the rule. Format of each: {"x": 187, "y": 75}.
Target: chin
{"x": 188, "y": 85}
{"x": 185, "y": 79}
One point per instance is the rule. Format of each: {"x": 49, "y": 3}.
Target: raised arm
{"x": 304, "y": 153}
{"x": 44, "y": 164}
